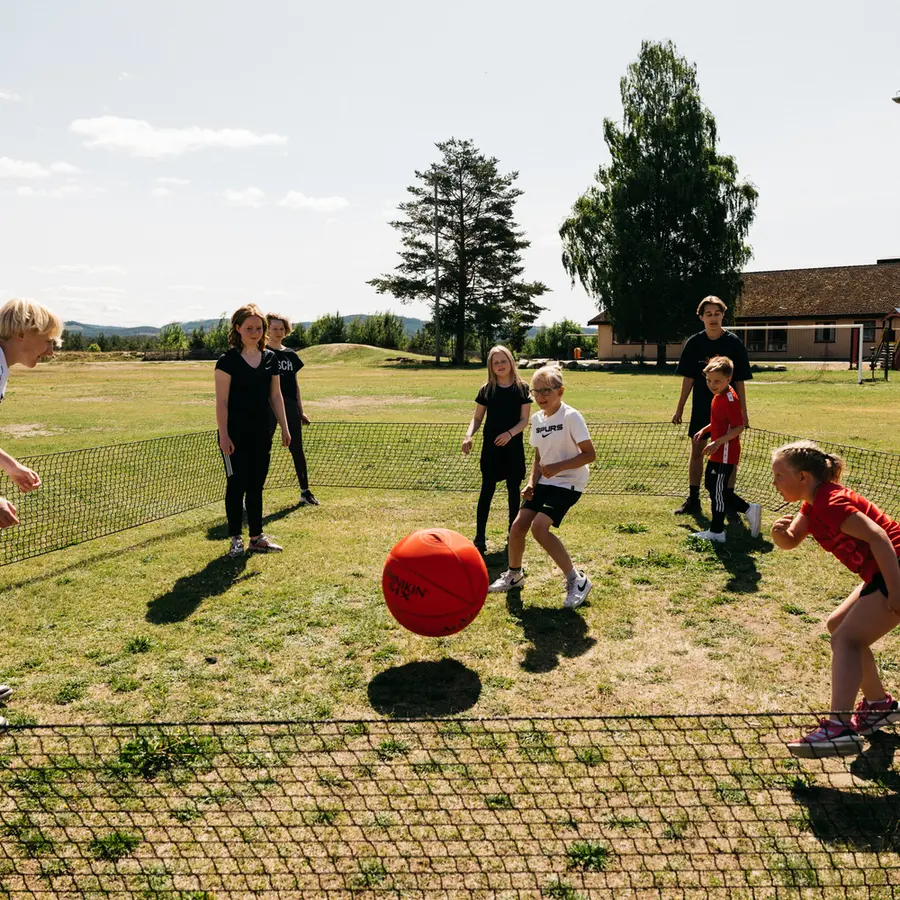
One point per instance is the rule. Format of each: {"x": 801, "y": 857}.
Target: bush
{"x": 93, "y": 348}
{"x": 329, "y": 329}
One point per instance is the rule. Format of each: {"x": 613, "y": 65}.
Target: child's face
{"x": 548, "y": 398}
{"x": 717, "y": 382}
{"x": 791, "y": 484}
{"x": 35, "y": 347}
{"x": 500, "y": 365}
{"x": 712, "y": 317}
{"x": 276, "y": 330}
{"x": 251, "y": 330}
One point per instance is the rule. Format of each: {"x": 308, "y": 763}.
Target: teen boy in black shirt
{"x": 714, "y": 340}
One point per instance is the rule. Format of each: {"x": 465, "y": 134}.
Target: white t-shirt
{"x": 4, "y": 374}
{"x": 557, "y": 438}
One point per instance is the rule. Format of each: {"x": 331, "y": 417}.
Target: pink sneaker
{"x": 829, "y": 739}
{"x": 869, "y": 717}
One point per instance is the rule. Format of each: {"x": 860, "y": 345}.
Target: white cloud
{"x": 139, "y": 138}
{"x": 175, "y": 181}
{"x": 81, "y": 290}
{"x": 251, "y": 196}
{"x": 64, "y": 168}
{"x": 9, "y": 97}
{"x": 161, "y": 192}
{"x": 58, "y": 193}
{"x": 81, "y": 269}
{"x": 297, "y": 200}
{"x": 389, "y": 211}
{"x": 186, "y": 287}
{"x": 17, "y": 168}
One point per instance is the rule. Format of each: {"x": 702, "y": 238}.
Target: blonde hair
{"x": 805, "y": 456}
{"x": 288, "y": 328}
{"x": 711, "y": 301}
{"x": 720, "y": 364}
{"x": 17, "y": 316}
{"x": 550, "y": 373}
{"x": 238, "y": 318}
{"x": 491, "y": 384}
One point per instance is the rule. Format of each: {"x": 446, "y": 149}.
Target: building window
{"x": 868, "y": 330}
{"x": 777, "y": 340}
{"x": 824, "y": 334}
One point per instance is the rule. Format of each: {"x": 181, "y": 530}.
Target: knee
{"x": 518, "y": 528}
{"x": 833, "y": 622}
{"x": 541, "y": 531}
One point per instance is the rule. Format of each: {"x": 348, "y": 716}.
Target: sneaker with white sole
{"x": 307, "y": 498}
{"x": 870, "y": 717}
{"x": 829, "y": 739}
{"x": 717, "y": 537}
{"x": 264, "y": 544}
{"x": 236, "y": 548}
{"x": 5, "y": 692}
{"x": 577, "y": 590}
{"x": 754, "y": 518}
{"x": 508, "y": 581}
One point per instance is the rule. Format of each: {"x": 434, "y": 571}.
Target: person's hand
{"x": 304, "y": 418}
{"x": 528, "y": 491}
{"x": 746, "y": 421}
{"x": 709, "y": 449}
{"x": 285, "y": 437}
{"x": 226, "y": 445}
{"x": 502, "y": 439}
{"x": 676, "y": 419}
{"x": 551, "y": 469}
{"x": 24, "y": 478}
{"x": 701, "y": 437}
{"x": 9, "y": 515}
{"x": 781, "y": 525}
{"x": 466, "y": 445}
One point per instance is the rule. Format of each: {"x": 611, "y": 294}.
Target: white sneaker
{"x": 577, "y": 591}
{"x": 508, "y": 581}
{"x": 717, "y": 537}
{"x": 237, "y": 547}
{"x": 5, "y": 692}
{"x": 754, "y": 518}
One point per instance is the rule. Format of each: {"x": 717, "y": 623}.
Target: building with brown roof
{"x": 823, "y": 297}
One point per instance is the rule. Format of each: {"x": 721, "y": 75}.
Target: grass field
{"x": 155, "y": 624}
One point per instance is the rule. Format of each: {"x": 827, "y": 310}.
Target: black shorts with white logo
{"x": 552, "y": 501}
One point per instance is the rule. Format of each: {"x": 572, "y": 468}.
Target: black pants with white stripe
{"x": 246, "y": 470}
{"x": 724, "y": 499}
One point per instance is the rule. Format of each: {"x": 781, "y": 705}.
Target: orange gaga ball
{"x": 434, "y": 582}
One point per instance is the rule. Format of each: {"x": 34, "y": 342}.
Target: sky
{"x": 172, "y": 160}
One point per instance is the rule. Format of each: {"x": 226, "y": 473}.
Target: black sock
{"x": 695, "y": 492}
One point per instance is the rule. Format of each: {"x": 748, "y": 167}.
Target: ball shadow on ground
{"x": 425, "y": 689}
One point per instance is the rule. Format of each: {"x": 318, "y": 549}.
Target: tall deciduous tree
{"x": 667, "y": 221}
{"x": 479, "y": 247}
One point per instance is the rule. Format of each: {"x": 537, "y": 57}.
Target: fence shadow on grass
{"x": 190, "y": 591}
{"x": 425, "y": 689}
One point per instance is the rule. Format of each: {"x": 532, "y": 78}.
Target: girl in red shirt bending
{"x": 867, "y": 542}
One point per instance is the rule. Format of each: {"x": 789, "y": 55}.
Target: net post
{"x": 859, "y": 356}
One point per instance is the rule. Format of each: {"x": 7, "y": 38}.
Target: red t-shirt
{"x": 832, "y": 505}
{"x": 724, "y": 415}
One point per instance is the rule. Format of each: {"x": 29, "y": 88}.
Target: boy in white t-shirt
{"x": 559, "y": 474}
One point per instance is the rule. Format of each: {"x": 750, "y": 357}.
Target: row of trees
{"x": 664, "y": 225}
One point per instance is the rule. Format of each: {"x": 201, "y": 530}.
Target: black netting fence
{"x": 619, "y": 807}
{"x": 91, "y": 493}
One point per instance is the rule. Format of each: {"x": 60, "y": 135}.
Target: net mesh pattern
{"x": 624, "y": 807}
{"x": 87, "y": 494}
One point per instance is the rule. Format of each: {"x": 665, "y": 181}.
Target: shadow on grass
{"x": 220, "y": 532}
{"x": 190, "y": 591}
{"x": 425, "y": 688}
{"x": 735, "y": 555}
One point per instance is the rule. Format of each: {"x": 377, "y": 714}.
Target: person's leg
{"x": 540, "y": 528}
{"x": 691, "y": 506}
{"x": 236, "y": 472}
{"x": 733, "y": 501}
{"x": 488, "y": 485}
{"x": 256, "y": 479}
{"x": 513, "y": 498}
{"x": 852, "y": 662}
{"x": 872, "y": 686}
{"x": 299, "y": 457}
{"x": 716, "y": 481}
{"x": 518, "y": 531}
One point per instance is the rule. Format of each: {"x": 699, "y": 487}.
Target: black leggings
{"x": 724, "y": 499}
{"x": 484, "y": 504}
{"x": 292, "y": 413}
{"x": 246, "y": 470}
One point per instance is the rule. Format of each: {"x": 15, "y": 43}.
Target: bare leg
{"x": 872, "y": 686}
{"x": 695, "y": 467}
{"x": 515, "y": 545}
{"x": 551, "y": 543}
{"x": 852, "y": 662}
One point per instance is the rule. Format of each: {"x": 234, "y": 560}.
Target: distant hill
{"x": 410, "y": 325}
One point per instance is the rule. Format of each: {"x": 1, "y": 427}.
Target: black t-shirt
{"x": 289, "y": 364}
{"x": 248, "y": 396}
{"x": 699, "y": 350}
{"x": 504, "y": 409}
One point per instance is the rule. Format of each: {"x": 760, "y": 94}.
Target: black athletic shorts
{"x": 700, "y": 413}
{"x": 876, "y": 584}
{"x": 552, "y": 501}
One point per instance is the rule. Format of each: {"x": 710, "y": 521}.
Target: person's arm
{"x": 687, "y": 385}
{"x": 703, "y": 434}
{"x": 474, "y": 425}
{"x": 741, "y": 391}
{"x": 24, "y": 478}
{"x": 790, "y": 531}
{"x": 223, "y": 389}
{"x": 534, "y": 477}
{"x": 864, "y": 529}
{"x": 524, "y": 415}
{"x": 304, "y": 418}
{"x": 277, "y": 403}
{"x": 729, "y": 435}
{"x": 586, "y": 455}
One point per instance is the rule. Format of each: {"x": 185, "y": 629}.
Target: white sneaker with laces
{"x": 236, "y": 548}
{"x": 577, "y": 591}
{"x": 717, "y": 537}
{"x": 508, "y": 581}
{"x": 754, "y": 519}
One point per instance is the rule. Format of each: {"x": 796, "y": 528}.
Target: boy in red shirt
{"x": 867, "y": 542}
{"x": 725, "y": 426}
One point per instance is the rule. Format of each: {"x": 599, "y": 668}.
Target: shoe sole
{"x": 883, "y": 722}
{"x": 506, "y": 590}
{"x": 825, "y": 749}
